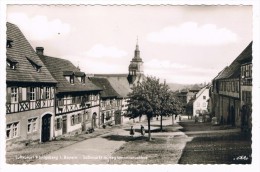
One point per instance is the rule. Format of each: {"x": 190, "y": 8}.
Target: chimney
{"x": 39, "y": 50}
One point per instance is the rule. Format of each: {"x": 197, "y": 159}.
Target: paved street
{"x": 99, "y": 150}
{"x": 187, "y": 143}
{"x": 91, "y": 151}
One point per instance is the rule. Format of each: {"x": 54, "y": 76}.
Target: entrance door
{"x": 103, "y": 118}
{"x": 117, "y": 117}
{"x": 64, "y": 124}
{"x": 46, "y": 125}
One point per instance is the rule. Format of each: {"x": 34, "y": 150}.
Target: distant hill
{"x": 176, "y": 86}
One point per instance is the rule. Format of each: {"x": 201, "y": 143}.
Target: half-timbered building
{"x": 77, "y": 98}
{"x": 232, "y": 89}
{"x": 30, "y": 90}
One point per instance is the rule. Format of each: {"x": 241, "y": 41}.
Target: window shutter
{"x": 44, "y": 93}
{"x": 52, "y": 92}
{"x": 8, "y": 94}
{"x": 19, "y": 94}
{"x": 38, "y": 90}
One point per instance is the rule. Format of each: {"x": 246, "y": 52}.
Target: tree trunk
{"x": 161, "y": 122}
{"x": 149, "y": 130}
{"x": 172, "y": 119}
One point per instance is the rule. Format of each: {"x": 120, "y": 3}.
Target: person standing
{"x": 142, "y": 130}
{"x": 132, "y": 131}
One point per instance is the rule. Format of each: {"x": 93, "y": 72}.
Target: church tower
{"x": 135, "y": 69}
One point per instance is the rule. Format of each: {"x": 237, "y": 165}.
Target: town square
{"x": 122, "y": 84}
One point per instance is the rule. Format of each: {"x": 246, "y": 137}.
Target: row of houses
{"x": 48, "y": 97}
{"x": 231, "y": 92}
{"x": 228, "y": 98}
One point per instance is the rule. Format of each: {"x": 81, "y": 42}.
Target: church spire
{"x": 137, "y": 51}
{"x": 137, "y": 46}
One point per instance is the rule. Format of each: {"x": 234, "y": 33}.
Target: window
{"x": 246, "y": 71}
{"x": 83, "y": 79}
{"x": 58, "y": 123}
{"x": 72, "y": 79}
{"x": 32, "y": 125}
{"x": 9, "y": 43}
{"x": 79, "y": 118}
{"x": 76, "y": 119}
{"x": 72, "y": 120}
{"x": 35, "y": 64}
{"x": 204, "y": 97}
{"x": 48, "y": 93}
{"x": 247, "y": 97}
{"x": 14, "y": 94}
{"x": 32, "y": 93}
{"x": 12, "y": 130}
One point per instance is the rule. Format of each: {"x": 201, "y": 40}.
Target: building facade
{"x": 30, "y": 92}
{"x": 110, "y": 103}
{"x": 200, "y": 103}
{"x": 232, "y": 89}
{"x": 77, "y": 99}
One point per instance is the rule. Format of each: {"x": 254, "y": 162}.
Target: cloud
{"x": 190, "y": 33}
{"x": 164, "y": 64}
{"x": 100, "y": 51}
{"x": 39, "y": 27}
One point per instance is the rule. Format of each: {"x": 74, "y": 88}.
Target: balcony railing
{"x": 28, "y": 105}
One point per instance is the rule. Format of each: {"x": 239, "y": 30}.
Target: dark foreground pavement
{"x": 215, "y": 145}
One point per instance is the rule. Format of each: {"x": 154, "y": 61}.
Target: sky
{"x": 182, "y": 44}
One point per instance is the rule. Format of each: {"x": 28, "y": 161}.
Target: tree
{"x": 143, "y": 100}
{"x": 151, "y": 98}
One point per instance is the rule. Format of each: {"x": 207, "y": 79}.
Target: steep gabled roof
{"x": 233, "y": 70}
{"x": 60, "y": 68}
{"x": 22, "y": 53}
{"x": 108, "y": 90}
{"x": 118, "y": 81}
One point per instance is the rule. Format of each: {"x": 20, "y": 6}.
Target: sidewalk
{"x": 28, "y": 154}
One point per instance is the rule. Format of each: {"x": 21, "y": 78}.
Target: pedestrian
{"x": 132, "y": 131}
{"x": 196, "y": 118}
{"x": 142, "y": 130}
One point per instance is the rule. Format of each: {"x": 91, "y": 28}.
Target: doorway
{"x": 46, "y": 128}
{"x": 64, "y": 124}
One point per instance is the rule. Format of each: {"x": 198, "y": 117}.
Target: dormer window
{"x": 69, "y": 75}
{"x": 12, "y": 63}
{"x": 34, "y": 64}
{"x": 71, "y": 79}
{"x": 9, "y": 43}
{"x": 81, "y": 76}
